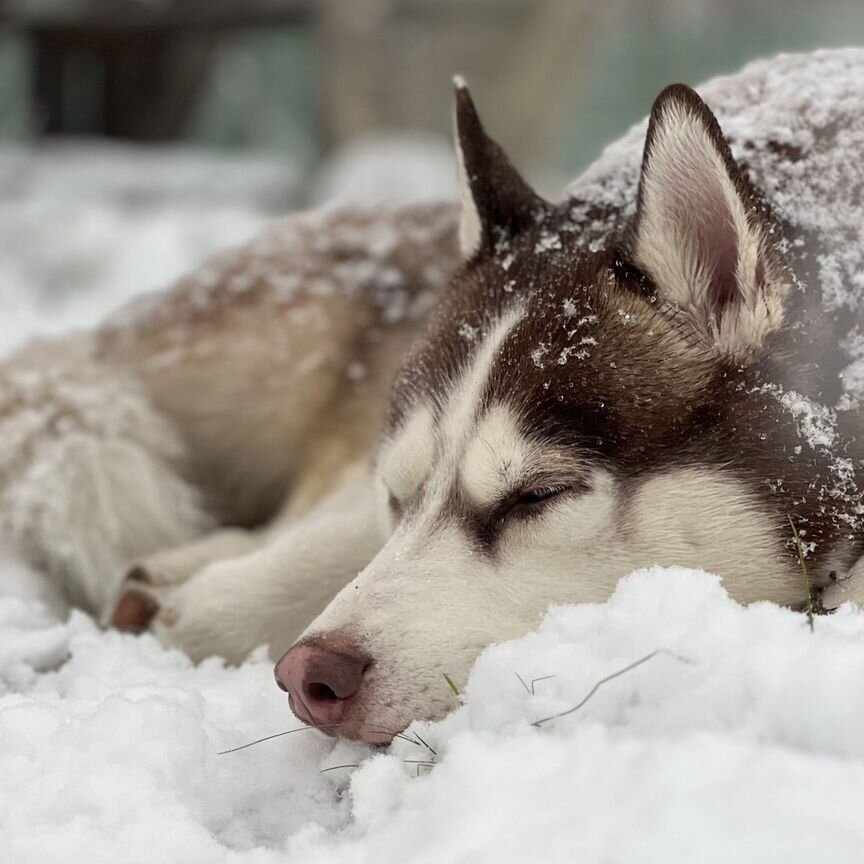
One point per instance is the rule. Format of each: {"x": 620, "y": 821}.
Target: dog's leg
{"x": 173, "y": 566}
{"x": 136, "y": 603}
{"x": 271, "y": 595}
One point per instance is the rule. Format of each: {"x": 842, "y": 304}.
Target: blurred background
{"x": 137, "y": 136}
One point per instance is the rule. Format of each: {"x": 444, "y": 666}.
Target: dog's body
{"x": 596, "y": 390}
{"x": 251, "y": 395}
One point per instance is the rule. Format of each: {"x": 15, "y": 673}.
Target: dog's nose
{"x": 319, "y": 681}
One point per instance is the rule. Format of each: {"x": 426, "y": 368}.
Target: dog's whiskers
{"x": 337, "y": 767}
{"x": 427, "y": 746}
{"x": 277, "y": 735}
{"x": 378, "y": 728}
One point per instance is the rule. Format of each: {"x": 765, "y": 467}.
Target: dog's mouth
{"x": 352, "y": 727}
{"x": 302, "y": 713}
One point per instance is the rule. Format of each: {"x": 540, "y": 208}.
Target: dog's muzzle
{"x": 324, "y": 685}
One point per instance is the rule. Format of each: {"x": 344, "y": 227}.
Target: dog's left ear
{"x": 699, "y": 232}
{"x": 495, "y": 199}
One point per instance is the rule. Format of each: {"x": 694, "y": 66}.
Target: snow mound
{"x": 739, "y": 738}
{"x": 84, "y": 227}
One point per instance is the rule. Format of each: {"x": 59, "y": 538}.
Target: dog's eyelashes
{"x": 538, "y": 495}
{"x": 520, "y": 505}
{"x": 531, "y": 501}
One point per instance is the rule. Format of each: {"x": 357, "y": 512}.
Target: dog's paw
{"x": 137, "y": 604}
{"x": 203, "y": 616}
{"x": 175, "y": 619}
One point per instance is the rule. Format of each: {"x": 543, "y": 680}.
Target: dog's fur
{"x": 593, "y": 392}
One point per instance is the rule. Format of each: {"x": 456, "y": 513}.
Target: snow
{"x": 387, "y": 167}
{"x": 816, "y": 423}
{"x": 84, "y": 228}
{"x": 739, "y": 738}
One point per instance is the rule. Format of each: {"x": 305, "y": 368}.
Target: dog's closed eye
{"x": 531, "y": 500}
{"x": 538, "y": 495}
{"x": 526, "y": 503}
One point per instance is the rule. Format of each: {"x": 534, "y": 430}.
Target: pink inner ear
{"x": 696, "y": 233}
{"x": 706, "y": 228}
{"x": 721, "y": 255}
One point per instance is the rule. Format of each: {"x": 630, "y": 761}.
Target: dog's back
{"x": 267, "y": 370}
{"x": 275, "y": 360}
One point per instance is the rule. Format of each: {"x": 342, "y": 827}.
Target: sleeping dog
{"x": 379, "y": 440}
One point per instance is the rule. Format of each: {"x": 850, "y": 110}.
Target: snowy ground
{"x": 84, "y": 227}
{"x": 740, "y": 740}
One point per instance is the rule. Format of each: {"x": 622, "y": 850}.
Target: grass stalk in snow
{"x": 276, "y": 735}
{"x": 530, "y": 690}
{"x": 452, "y": 683}
{"x": 629, "y": 668}
{"x": 808, "y": 587}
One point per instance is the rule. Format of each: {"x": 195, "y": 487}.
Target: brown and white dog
{"x": 650, "y": 372}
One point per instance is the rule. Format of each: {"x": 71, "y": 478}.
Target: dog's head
{"x": 574, "y": 411}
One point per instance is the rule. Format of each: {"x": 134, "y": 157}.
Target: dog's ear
{"x": 699, "y": 232}
{"x": 495, "y": 198}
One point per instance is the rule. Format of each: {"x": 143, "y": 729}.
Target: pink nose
{"x": 320, "y": 681}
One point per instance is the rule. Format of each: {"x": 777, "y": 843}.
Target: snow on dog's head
{"x": 576, "y": 410}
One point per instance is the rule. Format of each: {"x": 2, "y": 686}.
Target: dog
{"x": 661, "y": 369}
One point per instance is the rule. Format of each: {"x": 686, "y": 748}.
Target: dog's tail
{"x": 91, "y": 475}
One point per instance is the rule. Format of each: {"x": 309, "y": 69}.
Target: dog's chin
{"x": 364, "y": 722}
{"x": 367, "y": 733}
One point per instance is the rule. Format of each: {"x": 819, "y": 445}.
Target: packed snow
{"x": 668, "y": 724}
{"x": 737, "y": 738}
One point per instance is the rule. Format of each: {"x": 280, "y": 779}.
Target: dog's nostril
{"x": 320, "y": 692}
{"x": 322, "y": 682}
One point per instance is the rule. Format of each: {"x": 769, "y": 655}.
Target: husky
{"x": 664, "y": 368}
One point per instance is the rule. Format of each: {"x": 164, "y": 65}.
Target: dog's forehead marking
{"x": 495, "y": 458}
{"x": 461, "y": 407}
{"x": 406, "y": 460}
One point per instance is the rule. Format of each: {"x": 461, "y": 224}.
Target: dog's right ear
{"x": 700, "y": 233}
{"x": 496, "y": 201}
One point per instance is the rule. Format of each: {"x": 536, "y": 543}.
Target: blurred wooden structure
{"x": 390, "y": 62}
{"x": 138, "y": 68}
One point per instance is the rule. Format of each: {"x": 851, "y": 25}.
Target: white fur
{"x": 684, "y": 182}
{"x": 495, "y": 458}
{"x": 405, "y": 460}
{"x": 430, "y": 573}
{"x": 460, "y": 414}
{"x": 849, "y": 588}
{"x": 176, "y": 565}
{"x": 575, "y": 552}
{"x": 268, "y": 596}
{"x": 470, "y": 227}
{"x": 88, "y": 473}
